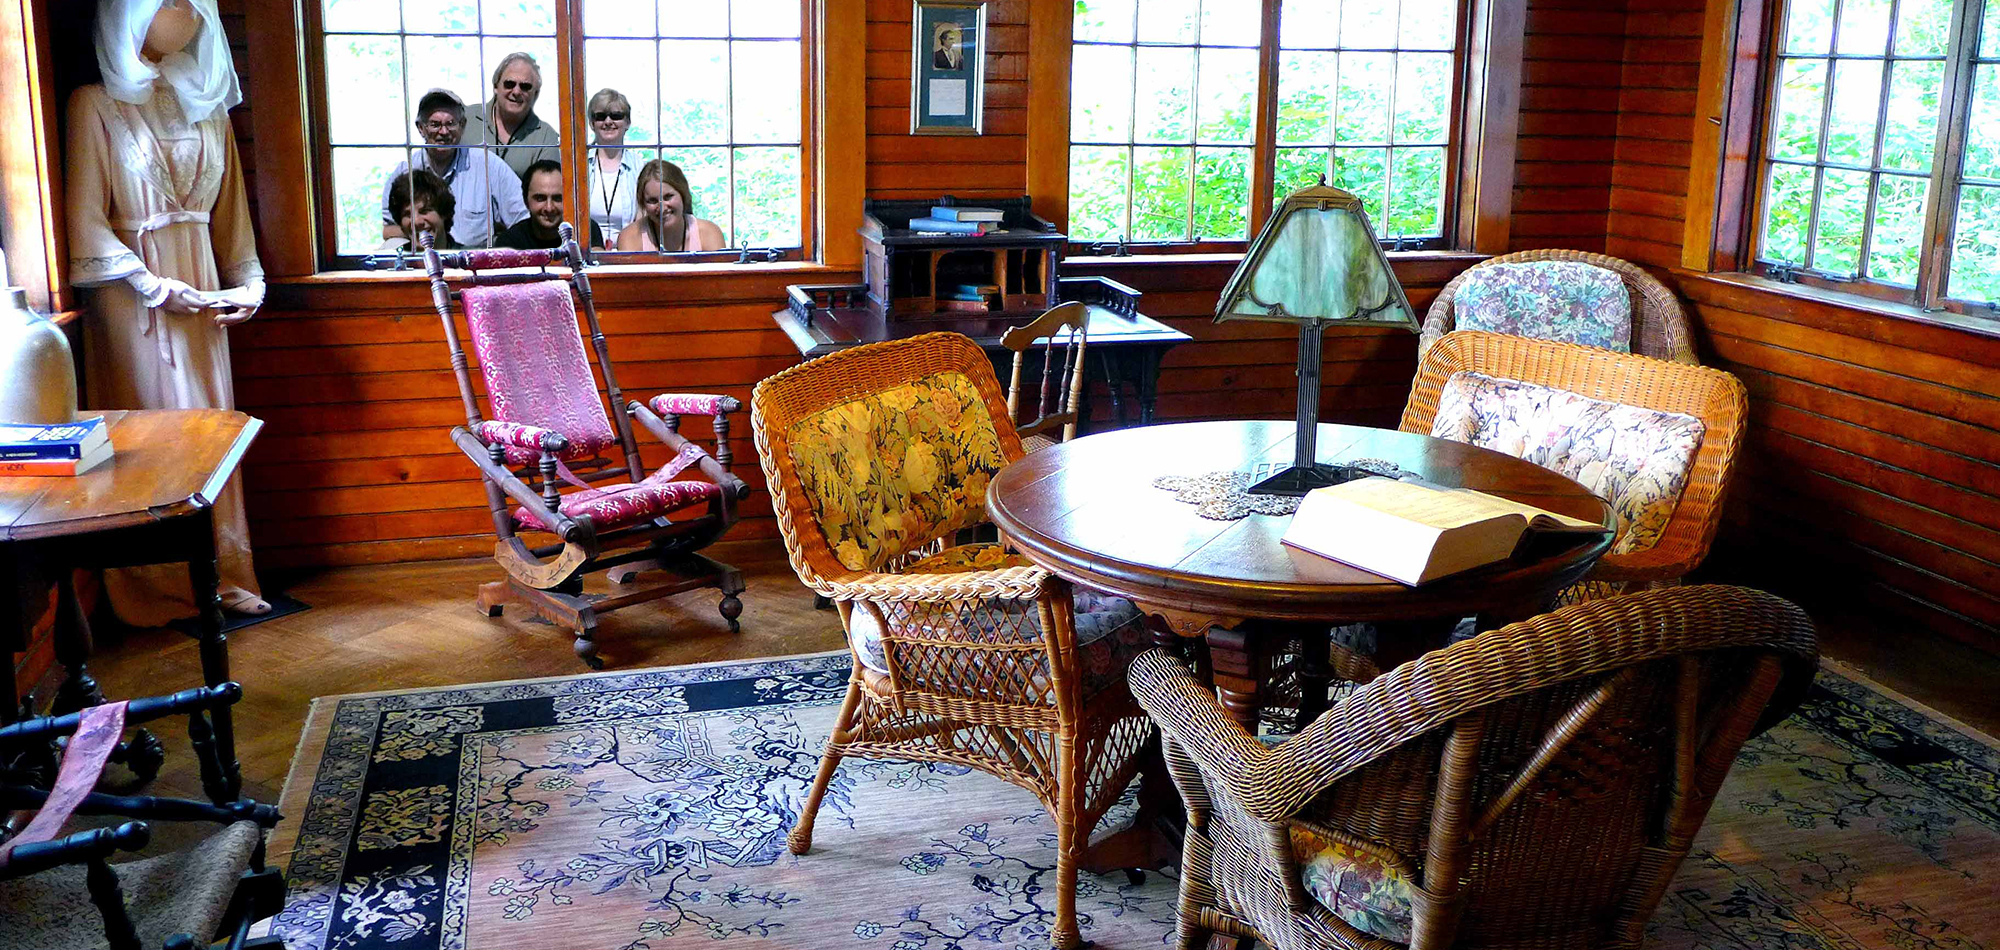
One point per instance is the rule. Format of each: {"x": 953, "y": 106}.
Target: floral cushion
{"x": 1107, "y": 634}
{"x": 1358, "y": 887}
{"x": 1637, "y": 459}
{"x": 891, "y": 470}
{"x": 531, "y": 356}
{"x": 1550, "y": 300}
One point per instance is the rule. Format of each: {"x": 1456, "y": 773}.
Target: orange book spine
{"x": 19, "y": 467}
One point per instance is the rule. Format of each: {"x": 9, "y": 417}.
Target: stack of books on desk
{"x": 70, "y": 448}
{"x": 969, "y": 297}
{"x": 957, "y": 219}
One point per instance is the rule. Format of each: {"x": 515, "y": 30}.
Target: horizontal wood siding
{"x": 1656, "y": 94}
{"x": 1571, "y": 66}
{"x": 1869, "y": 471}
{"x": 901, "y": 165}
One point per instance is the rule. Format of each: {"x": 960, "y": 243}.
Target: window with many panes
{"x": 1882, "y": 149}
{"x": 714, "y": 88}
{"x": 1173, "y": 118}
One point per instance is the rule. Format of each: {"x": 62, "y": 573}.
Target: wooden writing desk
{"x": 151, "y": 503}
{"x": 1126, "y": 346}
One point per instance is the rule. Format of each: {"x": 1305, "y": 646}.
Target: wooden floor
{"x": 413, "y": 625}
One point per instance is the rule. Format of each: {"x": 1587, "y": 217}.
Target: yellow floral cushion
{"x": 979, "y": 556}
{"x": 890, "y": 471}
{"x": 1360, "y": 888}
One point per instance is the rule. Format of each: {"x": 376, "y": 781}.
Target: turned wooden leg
{"x": 800, "y": 840}
{"x": 1239, "y": 662}
{"x": 214, "y": 661}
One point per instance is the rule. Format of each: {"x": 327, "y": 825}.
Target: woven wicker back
{"x": 858, "y": 394}
{"x": 1540, "y": 783}
{"x": 1711, "y": 395}
{"x": 1659, "y": 323}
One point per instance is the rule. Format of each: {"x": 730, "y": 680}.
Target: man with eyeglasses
{"x": 508, "y": 121}
{"x": 486, "y": 192}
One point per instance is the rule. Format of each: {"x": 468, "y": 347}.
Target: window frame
{"x": 1483, "y": 103}
{"x": 573, "y": 126}
{"x": 1943, "y": 182}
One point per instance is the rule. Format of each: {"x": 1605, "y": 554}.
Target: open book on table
{"x": 1414, "y": 533}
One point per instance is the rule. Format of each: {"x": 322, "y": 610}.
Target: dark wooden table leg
{"x": 226, "y": 787}
{"x": 143, "y": 753}
{"x": 1239, "y": 661}
{"x": 1114, "y": 383}
{"x": 1148, "y": 381}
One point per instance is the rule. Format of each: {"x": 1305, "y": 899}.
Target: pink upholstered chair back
{"x": 531, "y": 355}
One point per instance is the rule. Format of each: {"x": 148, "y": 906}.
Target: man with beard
{"x": 542, "y": 191}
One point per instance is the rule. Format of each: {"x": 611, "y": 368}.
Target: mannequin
{"x": 159, "y": 227}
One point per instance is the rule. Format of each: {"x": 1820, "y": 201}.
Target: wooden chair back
{"x": 1062, "y": 335}
{"x": 1711, "y": 395}
{"x": 1659, "y": 322}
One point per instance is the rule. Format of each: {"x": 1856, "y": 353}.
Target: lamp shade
{"x": 1317, "y": 260}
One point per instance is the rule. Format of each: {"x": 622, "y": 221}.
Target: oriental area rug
{"x": 648, "y": 810}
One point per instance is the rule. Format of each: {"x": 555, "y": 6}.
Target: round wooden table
{"x": 1087, "y": 510}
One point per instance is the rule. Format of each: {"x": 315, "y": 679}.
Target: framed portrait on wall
{"x": 948, "y": 67}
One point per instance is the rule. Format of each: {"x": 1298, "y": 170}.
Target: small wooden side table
{"x": 152, "y": 503}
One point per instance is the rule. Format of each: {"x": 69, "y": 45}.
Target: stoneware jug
{"x": 37, "y": 377}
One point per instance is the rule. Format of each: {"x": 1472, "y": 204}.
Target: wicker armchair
{"x": 1534, "y": 787}
{"x": 876, "y": 458}
{"x": 1659, "y": 323}
{"x": 1714, "y": 397}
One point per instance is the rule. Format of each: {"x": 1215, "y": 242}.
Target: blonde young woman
{"x": 666, "y": 221}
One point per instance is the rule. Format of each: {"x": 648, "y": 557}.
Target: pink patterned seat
{"x": 531, "y": 356}
{"x": 615, "y": 506}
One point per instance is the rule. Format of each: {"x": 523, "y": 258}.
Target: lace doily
{"x": 1221, "y": 495}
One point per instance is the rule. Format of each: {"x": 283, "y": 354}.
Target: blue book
{"x": 948, "y": 227}
{"x": 967, "y": 213}
{"x": 69, "y": 440}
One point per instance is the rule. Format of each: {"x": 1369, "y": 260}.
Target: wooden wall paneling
{"x": 841, "y": 104}
{"x": 32, "y": 228}
{"x": 901, "y": 165}
{"x": 1047, "y": 148}
{"x": 1656, "y": 101}
{"x": 1572, "y": 53}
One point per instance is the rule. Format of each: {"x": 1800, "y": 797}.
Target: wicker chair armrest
{"x": 1012, "y": 583}
{"x": 696, "y": 404}
{"x": 1191, "y": 719}
{"x": 520, "y": 436}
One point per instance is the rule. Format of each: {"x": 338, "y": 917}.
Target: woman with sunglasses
{"x": 613, "y": 170}
{"x": 666, "y": 221}
{"x": 508, "y": 120}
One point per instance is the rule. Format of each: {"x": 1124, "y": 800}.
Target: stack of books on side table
{"x": 1415, "y": 533}
{"x": 69, "y": 448}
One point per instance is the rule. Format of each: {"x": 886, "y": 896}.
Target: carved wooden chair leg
{"x": 586, "y": 646}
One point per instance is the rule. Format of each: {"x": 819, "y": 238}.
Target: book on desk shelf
{"x": 942, "y": 226}
{"x": 1414, "y": 533}
{"x": 967, "y": 213}
{"x": 69, "y": 448}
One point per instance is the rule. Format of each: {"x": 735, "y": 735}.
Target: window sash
{"x": 569, "y": 78}
{"x": 1943, "y": 179}
{"x": 1264, "y": 147}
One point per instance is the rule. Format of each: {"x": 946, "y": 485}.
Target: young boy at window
{"x": 421, "y": 202}
{"x": 542, "y": 191}
{"x": 485, "y": 191}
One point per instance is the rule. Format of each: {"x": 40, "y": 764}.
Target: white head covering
{"x": 202, "y": 76}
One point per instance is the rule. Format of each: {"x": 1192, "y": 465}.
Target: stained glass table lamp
{"x": 1315, "y": 262}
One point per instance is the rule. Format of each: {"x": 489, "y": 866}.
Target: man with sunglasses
{"x": 508, "y": 121}
{"x": 486, "y": 192}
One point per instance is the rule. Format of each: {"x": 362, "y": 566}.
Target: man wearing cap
{"x": 508, "y": 123}
{"x": 486, "y": 192}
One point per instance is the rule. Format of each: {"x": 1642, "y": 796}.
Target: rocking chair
{"x": 549, "y": 427}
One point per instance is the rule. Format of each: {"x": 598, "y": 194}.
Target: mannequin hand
{"x": 237, "y": 304}
{"x": 184, "y": 299}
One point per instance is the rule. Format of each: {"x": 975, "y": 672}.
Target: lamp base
{"x": 1298, "y": 480}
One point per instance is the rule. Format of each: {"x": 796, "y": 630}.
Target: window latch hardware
{"x": 1782, "y": 273}
{"x": 1110, "y": 249}
{"x": 765, "y": 254}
